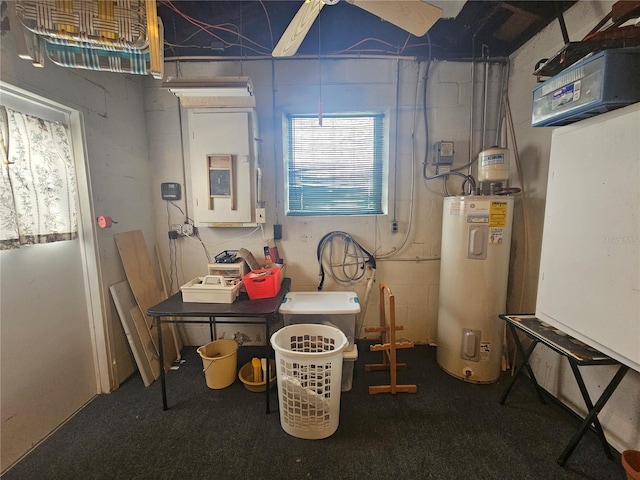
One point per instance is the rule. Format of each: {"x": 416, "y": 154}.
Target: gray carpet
{"x": 449, "y": 429}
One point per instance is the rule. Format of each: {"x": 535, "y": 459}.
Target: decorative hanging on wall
{"x": 124, "y": 36}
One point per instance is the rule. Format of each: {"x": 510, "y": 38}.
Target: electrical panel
{"x": 443, "y": 154}
{"x": 223, "y": 166}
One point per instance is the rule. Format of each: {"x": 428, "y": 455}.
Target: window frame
{"x": 382, "y": 156}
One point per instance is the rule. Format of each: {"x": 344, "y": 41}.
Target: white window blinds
{"x": 336, "y": 168}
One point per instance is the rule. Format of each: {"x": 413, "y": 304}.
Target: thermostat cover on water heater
{"x": 604, "y": 81}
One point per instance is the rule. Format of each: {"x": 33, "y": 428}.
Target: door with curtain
{"x": 48, "y": 366}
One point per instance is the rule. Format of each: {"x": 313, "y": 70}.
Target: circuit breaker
{"x": 443, "y": 153}
{"x": 223, "y": 166}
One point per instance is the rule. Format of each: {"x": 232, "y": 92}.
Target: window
{"x": 336, "y": 168}
{"x": 38, "y": 193}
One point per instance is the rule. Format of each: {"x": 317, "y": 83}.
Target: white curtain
{"x": 38, "y": 193}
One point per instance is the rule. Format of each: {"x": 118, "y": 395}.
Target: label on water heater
{"x": 472, "y": 208}
{"x": 485, "y": 351}
{"x": 497, "y": 222}
{"x": 498, "y": 214}
{"x": 455, "y": 207}
{"x": 493, "y": 213}
{"x": 496, "y": 236}
{"x": 477, "y": 218}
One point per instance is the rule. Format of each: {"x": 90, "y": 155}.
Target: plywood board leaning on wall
{"x": 165, "y": 289}
{"x": 137, "y": 331}
{"x": 144, "y": 285}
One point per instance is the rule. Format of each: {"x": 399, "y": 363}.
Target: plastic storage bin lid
{"x": 350, "y": 353}
{"x": 317, "y": 303}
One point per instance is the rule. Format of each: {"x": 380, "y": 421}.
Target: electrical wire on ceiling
{"x": 216, "y": 31}
{"x": 219, "y": 31}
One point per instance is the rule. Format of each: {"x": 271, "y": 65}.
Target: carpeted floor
{"x": 449, "y": 429}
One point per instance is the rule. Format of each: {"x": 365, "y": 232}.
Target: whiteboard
{"x": 589, "y": 282}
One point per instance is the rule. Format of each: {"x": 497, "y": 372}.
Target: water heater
{"x": 474, "y": 269}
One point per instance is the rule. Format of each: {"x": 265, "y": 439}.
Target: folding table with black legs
{"x": 579, "y": 354}
{"x": 264, "y": 311}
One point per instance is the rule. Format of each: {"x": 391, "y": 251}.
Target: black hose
{"x": 348, "y": 239}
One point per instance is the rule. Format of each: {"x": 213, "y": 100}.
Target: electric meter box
{"x": 338, "y": 309}
{"x": 604, "y": 81}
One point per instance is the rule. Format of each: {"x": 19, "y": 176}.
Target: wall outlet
{"x": 182, "y": 229}
{"x": 394, "y": 226}
{"x": 261, "y": 215}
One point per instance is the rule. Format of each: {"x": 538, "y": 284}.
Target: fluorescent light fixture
{"x": 212, "y": 91}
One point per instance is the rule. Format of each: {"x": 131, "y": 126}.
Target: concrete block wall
{"x": 409, "y": 259}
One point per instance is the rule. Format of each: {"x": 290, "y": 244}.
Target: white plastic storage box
{"x": 326, "y": 308}
{"x": 348, "y": 363}
{"x": 235, "y": 270}
{"x": 210, "y": 289}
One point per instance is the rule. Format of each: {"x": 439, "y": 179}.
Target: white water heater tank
{"x": 493, "y": 165}
{"x": 474, "y": 270}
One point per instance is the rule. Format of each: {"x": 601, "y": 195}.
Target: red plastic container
{"x": 264, "y": 283}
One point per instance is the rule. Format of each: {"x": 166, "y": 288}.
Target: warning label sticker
{"x": 498, "y": 214}
{"x": 496, "y": 236}
{"x": 456, "y": 208}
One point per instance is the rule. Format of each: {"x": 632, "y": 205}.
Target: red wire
{"x": 203, "y": 26}
{"x": 266, "y": 14}
{"x": 262, "y": 50}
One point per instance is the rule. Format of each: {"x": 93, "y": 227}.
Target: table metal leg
{"x": 268, "y": 357}
{"x": 163, "y": 382}
{"x": 525, "y": 363}
{"x": 593, "y": 412}
{"x": 589, "y": 405}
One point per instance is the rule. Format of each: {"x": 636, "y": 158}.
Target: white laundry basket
{"x": 309, "y": 374}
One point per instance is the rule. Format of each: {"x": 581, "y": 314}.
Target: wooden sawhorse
{"x": 388, "y": 347}
{"x": 578, "y": 354}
